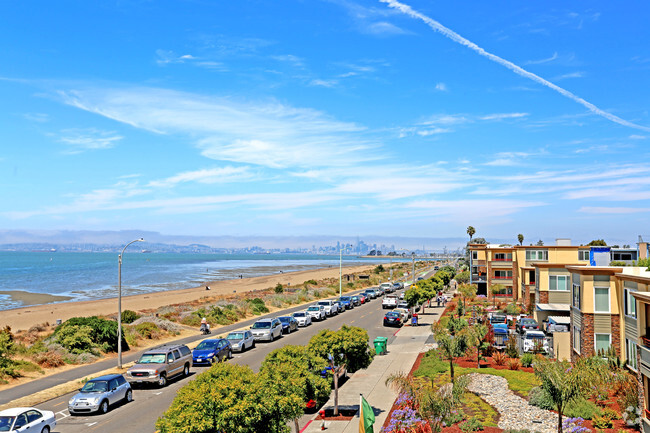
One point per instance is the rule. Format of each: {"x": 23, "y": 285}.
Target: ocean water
{"x": 85, "y": 276}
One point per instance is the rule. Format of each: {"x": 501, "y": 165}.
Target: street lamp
{"x": 119, "y": 303}
{"x": 340, "y": 272}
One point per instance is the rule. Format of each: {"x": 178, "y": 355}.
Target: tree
{"x": 7, "y": 349}
{"x": 561, "y": 382}
{"x": 597, "y": 243}
{"x": 520, "y": 238}
{"x": 462, "y": 277}
{"x": 476, "y": 336}
{"x": 540, "y": 243}
{"x": 444, "y": 277}
{"x": 468, "y": 291}
{"x": 350, "y": 341}
{"x": 471, "y": 231}
{"x": 282, "y": 388}
{"x": 450, "y": 345}
{"x": 449, "y": 270}
{"x": 496, "y": 289}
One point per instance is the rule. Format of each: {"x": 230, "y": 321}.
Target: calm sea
{"x": 85, "y": 276}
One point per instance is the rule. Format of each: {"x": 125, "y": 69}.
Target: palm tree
{"x": 520, "y": 238}
{"x": 471, "y": 231}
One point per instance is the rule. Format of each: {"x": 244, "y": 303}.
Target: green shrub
{"x": 454, "y": 417}
{"x": 513, "y": 309}
{"x": 610, "y": 414}
{"x": 311, "y": 282}
{"x": 540, "y": 398}
{"x": 600, "y": 422}
{"x": 350, "y": 285}
{"x": 527, "y": 359}
{"x": 511, "y": 347}
{"x": 147, "y": 330}
{"x": 258, "y": 306}
{"x": 103, "y": 333}
{"x": 582, "y": 408}
{"x": 379, "y": 269}
{"x": 279, "y": 288}
{"x": 7, "y": 349}
{"x": 76, "y": 338}
{"x": 129, "y": 316}
{"x": 471, "y": 424}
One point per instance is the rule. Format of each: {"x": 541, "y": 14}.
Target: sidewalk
{"x": 403, "y": 350}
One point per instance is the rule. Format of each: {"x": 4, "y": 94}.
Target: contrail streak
{"x": 435, "y": 25}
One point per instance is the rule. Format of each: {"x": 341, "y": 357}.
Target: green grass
{"x": 475, "y": 406}
{"x": 520, "y": 382}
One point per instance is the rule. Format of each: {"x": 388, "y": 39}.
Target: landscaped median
{"x": 446, "y": 391}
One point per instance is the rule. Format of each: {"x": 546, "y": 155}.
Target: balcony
{"x": 507, "y": 264}
{"x": 644, "y": 351}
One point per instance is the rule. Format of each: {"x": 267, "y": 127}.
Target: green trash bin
{"x": 381, "y": 344}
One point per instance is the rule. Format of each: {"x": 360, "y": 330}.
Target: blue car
{"x": 346, "y": 301}
{"x": 211, "y": 350}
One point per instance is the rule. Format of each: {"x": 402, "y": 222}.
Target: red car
{"x": 362, "y": 298}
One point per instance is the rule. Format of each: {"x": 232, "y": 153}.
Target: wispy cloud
{"x": 508, "y": 159}
{"x": 82, "y": 140}
{"x": 570, "y": 75}
{"x": 37, "y": 117}
{"x": 637, "y": 137}
{"x": 541, "y": 61}
{"x": 442, "y": 87}
{"x": 613, "y": 210}
{"x": 226, "y": 174}
{"x": 436, "y": 26}
{"x": 503, "y": 116}
{"x": 262, "y": 133}
{"x": 166, "y": 57}
{"x": 324, "y": 83}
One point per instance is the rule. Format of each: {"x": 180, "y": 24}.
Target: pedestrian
{"x": 207, "y": 287}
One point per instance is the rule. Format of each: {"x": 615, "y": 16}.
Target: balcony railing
{"x": 502, "y": 260}
{"x": 502, "y": 278}
{"x": 644, "y": 352}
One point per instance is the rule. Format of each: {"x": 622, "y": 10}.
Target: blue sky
{"x": 327, "y": 117}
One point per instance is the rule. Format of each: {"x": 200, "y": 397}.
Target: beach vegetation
{"x": 129, "y": 316}
{"x": 49, "y": 359}
{"x": 147, "y": 330}
{"x": 379, "y": 269}
{"x": 279, "y": 288}
{"x": 258, "y": 306}
{"x": 310, "y": 283}
{"x": 7, "y": 350}
{"x": 349, "y": 345}
{"x": 88, "y": 334}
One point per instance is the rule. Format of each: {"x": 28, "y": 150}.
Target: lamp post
{"x": 340, "y": 272}
{"x": 119, "y": 303}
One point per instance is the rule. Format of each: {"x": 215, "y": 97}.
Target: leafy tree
{"x": 562, "y": 382}
{"x": 476, "y": 336}
{"x": 279, "y": 288}
{"x": 103, "y": 333}
{"x": 496, "y": 289}
{"x": 444, "y": 276}
{"x": 223, "y": 398}
{"x": 77, "y": 339}
{"x": 449, "y": 270}
{"x": 451, "y": 344}
{"x": 468, "y": 291}
{"x": 282, "y": 388}
{"x": 350, "y": 341}
{"x": 471, "y": 231}
{"x": 540, "y": 243}
{"x": 597, "y": 243}
{"x": 481, "y": 241}
{"x": 7, "y": 349}
{"x": 520, "y": 238}
{"x": 462, "y": 277}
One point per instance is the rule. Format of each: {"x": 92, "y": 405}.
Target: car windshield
{"x": 392, "y": 314}
{"x": 534, "y": 337}
{"x": 355, "y": 297}
{"x": 152, "y": 358}
{"x": 298, "y": 314}
{"x": 261, "y": 325}
{"x": 345, "y": 298}
{"x": 95, "y": 386}
{"x": 313, "y": 309}
{"x": 207, "y": 345}
{"x": 6, "y": 422}
{"x": 323, "y": 303}
{"x": 285, "y": 319}
{"x": 235, "y": 336}
{"x": 528, "y": 321}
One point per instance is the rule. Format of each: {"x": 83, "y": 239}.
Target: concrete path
{"x": 403, "y": 349}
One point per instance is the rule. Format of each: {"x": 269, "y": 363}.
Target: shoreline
{"x": 25, "y": 317}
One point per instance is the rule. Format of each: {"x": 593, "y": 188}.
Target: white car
{"x": 241, "y": 340}
{"x": 317, "y": 312}
{"x": 390, "y": 301}
{"x": 405, "y": 312}
{"x": 302, "y": 318}
{"x": 27, "y": 420}
{"x": 386, "y": 287}
{"x": 329, "y": 307}
{"x": 339, "y": 308}
{"x": 532, "y": 338}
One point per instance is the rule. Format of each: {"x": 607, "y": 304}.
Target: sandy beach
{"x": 26, "y": 317}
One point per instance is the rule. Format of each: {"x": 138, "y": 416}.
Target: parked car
{"x": 339, "y": 308}
{"x": 386, "y": 287}
{"x": 27, "y": 420}
{"x": 397, "y": 286}
{"x": 212, "y": 350}
{"x": 355, "y": 300}
{"x": 160, "y": 364}
{"x": 241, "y": 340}
{"x": 302, "y": 318}
{"x": 401, "y": 296}
{"x": 267, "y": 329}
{"x": 405, "y": 312}
{"x": 98, "y": 394}
{"x": 498, "y": 318}
{"x": 328, "y": 306}
{"x": 526, "y": 324}
{"x": 346, "y": 301}
{"x": 289, "y": 324}
{"x": 363, "y": 298}
{"x": 393, "y": 318}
{"x": 370, "y": 293}
{"x": 500, "y": 335}
{"x": 390, "y": 301}
{"x": 532, "y": 338}
{"x": 403, "y": 304}
{"x": 317, "y": 312}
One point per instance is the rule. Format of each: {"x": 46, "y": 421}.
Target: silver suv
{"x": 161, "y": 364}
{"x": 267, "y": 329}
{"x": 99, "y": 393}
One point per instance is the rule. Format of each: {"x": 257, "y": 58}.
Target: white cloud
{"x": 81, "y": 140}
{"x": 226, "y": 174}
{"x": 502, "y": 116}
{"x": 266, "y": 133}
{"x": 436, "y": 26}
{"x": 442, "y": 87}
{"x": 383, "y": 28}
{"x": 541, "y": 61}
{"x": 37, "y": 117}
{"x": 324, "y": 83}
{"x": 637, "y": 137}
{"x": 570, "y": 75}
{"x": 613, "y": 210}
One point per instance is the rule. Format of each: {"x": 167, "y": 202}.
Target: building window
{"x": 503, "y": 257}
{"x": 622, "y": 256}
{"x": 536, "y": 254}
{"x": 558, "y": 283}
{"x": 583, "y": 255}
{"x": 576, "y": 296}
{"x": 503, "y": 275}
{"x": 630, "y": 303}
{"x": 576, "y": 338}
{"x": 630, "y": 354}
{"x": 602, "y": 342}
{"x": 601, "y": 299}
{"x": 474, "y": 255}
{"x": 531, "y": 277}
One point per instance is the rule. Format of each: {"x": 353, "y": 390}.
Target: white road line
{"x": 63, "y": 413}
{"x": 90, "y": 424}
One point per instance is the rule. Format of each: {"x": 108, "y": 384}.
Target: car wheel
{"x": 229, "y": 354}
{"x": 103, "y": 407}
{"x": 162, "y": 381}
{"x": 253, "y": 345}
{"x": 46, "y": 429}
{"x": 186, "y": 370}
{"x": 128, "y": 397}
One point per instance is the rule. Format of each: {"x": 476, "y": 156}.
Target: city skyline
{"x": 337, "y": 118}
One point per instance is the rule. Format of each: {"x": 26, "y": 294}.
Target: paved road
{"x": 149, "y": 404}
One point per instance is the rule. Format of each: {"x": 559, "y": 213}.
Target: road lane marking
{"x": 59, "y": 404}
{"x": 90, "y": 424}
